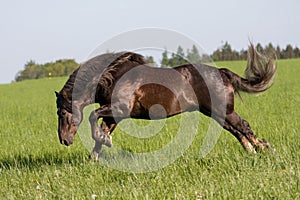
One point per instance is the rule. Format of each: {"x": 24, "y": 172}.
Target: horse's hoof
{"x": 265, "y": 144}
{"x": 268, "y": 146}
{"x": 94, "y": 156}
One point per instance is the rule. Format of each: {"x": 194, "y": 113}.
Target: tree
{"x": 165, "y": 60}
{"x": 206, "y": 58}
{"x": 58, "y": 68}
{"x": 173, "y": 61}
{"x": 278, "y": 52}
{"x": 270, "y": 50}
{"x": 297, "y": 52}
{"x": 193, "y": 55}
{"x": 178, "y": 58}
{"x": 226, "y": 52}
{"x": 31, "y": 71}
{"x": 259, "y": 48}
{"x": 243, "y": 54}
{"x": 69, "y": 64}
{"x": 217, "y": 55}
{"x": 289, "y": 52}
{"x": 150, "y": 61}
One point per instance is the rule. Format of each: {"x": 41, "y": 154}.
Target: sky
{"x": 45, "y": 31}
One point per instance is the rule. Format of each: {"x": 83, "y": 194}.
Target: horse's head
{"x": 67, "y": 122}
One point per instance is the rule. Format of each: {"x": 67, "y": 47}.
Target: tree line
{"x": 32, "y": 70}
{"x": 65, "y": 67}
{"x": 227, "y": 53}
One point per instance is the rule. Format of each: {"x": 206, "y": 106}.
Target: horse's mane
{"x": 107, "y": 78}
{"x": 98, "y": 71}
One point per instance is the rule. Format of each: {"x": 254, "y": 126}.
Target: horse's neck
{"x": 83, "y": 101}
{"x": 74, "y": 101}
{"x": 89, "y": 94}
{"x": 80, "y": 96}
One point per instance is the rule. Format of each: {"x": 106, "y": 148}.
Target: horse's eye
{"x": 63, "y": 112}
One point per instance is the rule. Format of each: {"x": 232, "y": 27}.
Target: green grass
{"x": 33, "y": 165}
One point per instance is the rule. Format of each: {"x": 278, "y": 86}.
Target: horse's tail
{"x": 259, "y": 73}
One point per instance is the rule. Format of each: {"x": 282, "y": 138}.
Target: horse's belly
{"x": 157, "y": 101}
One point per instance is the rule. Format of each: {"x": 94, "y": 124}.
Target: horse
{"x": 126, "y": 86}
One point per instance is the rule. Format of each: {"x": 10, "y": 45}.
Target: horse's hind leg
{"x": 108, "y": 125}
{"x": 243, "y": 127}
{"x": 241, "y": 138}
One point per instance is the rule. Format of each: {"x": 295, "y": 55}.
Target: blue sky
{"x": 45, "y": 31}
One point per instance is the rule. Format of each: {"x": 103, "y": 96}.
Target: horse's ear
{"x": 56, "y": 93}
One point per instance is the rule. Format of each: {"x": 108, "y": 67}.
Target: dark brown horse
{"x": 125, "y": 87}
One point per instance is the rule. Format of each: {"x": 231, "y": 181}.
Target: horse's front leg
{"x": 98, "y": 134}
{"x": 101, "y": 135}
{"x": 96, "y": 150}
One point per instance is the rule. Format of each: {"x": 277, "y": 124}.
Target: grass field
{"x": 33, "y": 164}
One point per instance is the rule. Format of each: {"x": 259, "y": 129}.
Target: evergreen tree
{"x": 270, "y": 50}
{"x": 173, "y": 61}
{"x": 289, "y": 52}
{"x": 297, "y": 52}
{"x": 165, "y": 60}
{"x": 178, "y": 58}
{"x": 193, "y": 55}
{"x": 226, "y": 52}
{"x": 278, "y": 52}
{"x": 259, "y": 48}
{"x": 243, "y": 54}
{"x": 150, "y": 61}
{"x": 217, "y": 55}
{"x": 206, "y": 58}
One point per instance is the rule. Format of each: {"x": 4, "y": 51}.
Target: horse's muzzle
{"x": 67, "y": 141}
